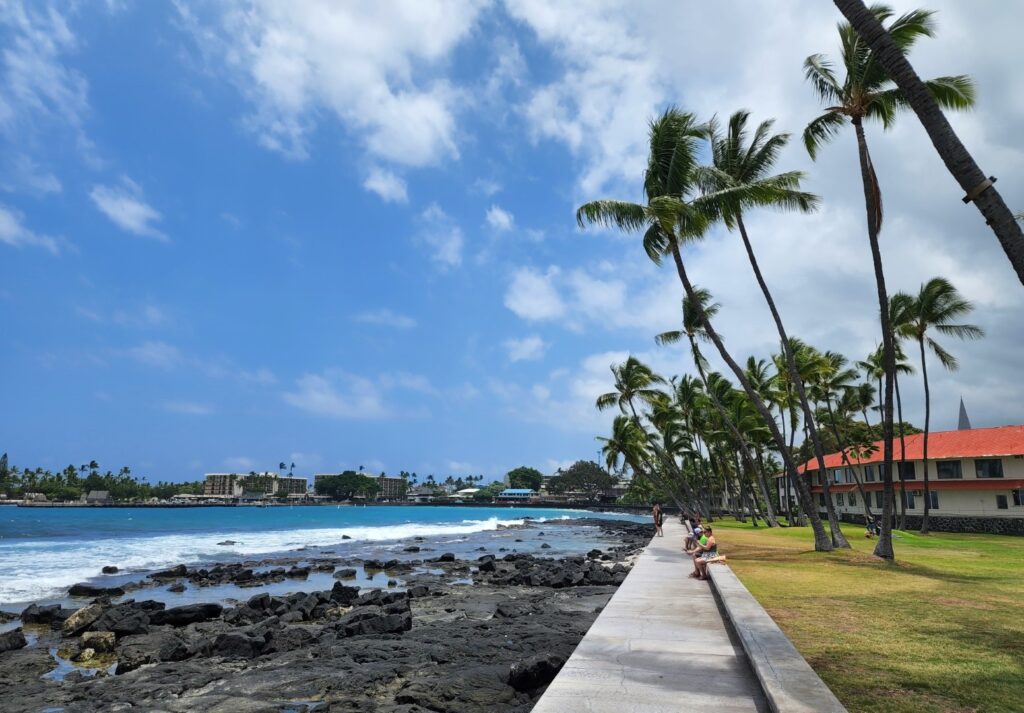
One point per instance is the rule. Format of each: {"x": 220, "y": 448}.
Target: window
{"x": 869, "y": 474}
{"x": 909, "y": 499}
{"x": 1018, "y": 498}
{"x": 988, "y": 468}
{"x": 933, "y": 497}
{"x": 821, "y": 499}
{"x": 906, "y": 471}
{"x": 1001, "y": 502}
{"x": 878, "y": 499}
{"x": 853, "y": 499}
{"x": 837, "y": 475}
{"x": 839, "y": 499}
{"x": 949, "y": 470}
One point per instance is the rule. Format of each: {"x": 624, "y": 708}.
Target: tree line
{"x": 73, "y": 482}
{"x": 688, "y": 435}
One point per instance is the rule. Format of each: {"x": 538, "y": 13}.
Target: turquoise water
{"x": 43, "y": 551}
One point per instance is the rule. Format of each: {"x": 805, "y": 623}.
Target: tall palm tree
{"x": 936, "y": 306}
{"x": 634, "y": 380}
{"x": 673, "y": 215}
{"x": 742, "y": 165}
{"x": 921, "y": 98}
{"x": 866, "y": 92}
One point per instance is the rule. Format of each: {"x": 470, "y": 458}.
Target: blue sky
{"x": 233, "y": 234}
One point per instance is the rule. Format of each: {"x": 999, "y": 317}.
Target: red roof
{"x": 975, "y": 443}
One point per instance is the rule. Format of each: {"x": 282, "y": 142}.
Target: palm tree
{"x": 867, "y": 93}
{"x": 633, "y": 380}
{"x": 674, "y": 215}
{"x": 922, "y": 99}
{"x": 936, "y": 306}
{"x": 741, "y": 166}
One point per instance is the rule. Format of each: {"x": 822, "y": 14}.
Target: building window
{"x": 821, "y": 499}
{"x": 878, "y": 499}
{"x": 908, "y": 498}
{"x": 869, "y": 474}
{"x": 839, "y": 499}
{"x": 853, "y": 499}
{"x": 1018, "y": 498}
{"x": 1001, "y": 502}
{"x": 907, "y": 471}
{"x": 933, "y": 497}
{"x": 949, "y": 470}
{"x": 988, "y": 468}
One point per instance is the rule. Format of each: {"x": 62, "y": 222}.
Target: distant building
{"x": 516, "y": 495}
{"x": 250, "y": 486}
{"x": 422, "y": 494}
{"x": 97, "y": 497}
{"x": 390, "y": 488}
{"x": 291, "y": 486}
{"x": 976, "y": 473}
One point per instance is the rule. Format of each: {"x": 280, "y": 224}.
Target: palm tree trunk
{"x": 958, "y": 160}
{"x": 903, "y": 458}
{"x": 821, "y": 540}
{"x": 790, "y": 357}
{"x": 766, "y": 493}
{"x": 873, "y": 207}
{"x": 846, "y": 461}
{"x": 927, "y": 419}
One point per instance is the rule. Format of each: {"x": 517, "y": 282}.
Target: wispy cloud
{"x": 338, "y": 396}
{"x": 526, "y": 349}
{"x": 188, "y": 408}
{"x": 442, "y": 235}
{"x": 499, "y": 218}
{"x": 387, "y": 184}
{"x": 127, "y": 209}
{"x": 159, "y": 354}
{"x": 385, "y": 318}
{"x": 13, "y": 232}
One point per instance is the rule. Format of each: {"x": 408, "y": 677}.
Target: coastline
{"x": 428, "y": 631}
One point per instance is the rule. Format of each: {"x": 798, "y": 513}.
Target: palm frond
{"x": 666, "y": 338}
{"x": 822, "y": 130}
{"x": 611, "y": 213}
{"x": 818, "y": 71}
{"x": 945, "y": 358}
{"x": 955, "y": 92}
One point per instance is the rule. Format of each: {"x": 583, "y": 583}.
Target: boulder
{"x": 344, "y": 595}
{"x": 11, "y": 640}
{"x": 412, "y": 548}
{"x": 44, "y": 615}
{"x": 101, "y": 642}
{"x": 446, "y": 557}
{"x": 297, "y": 573}
{"x": 345, "y": 573}
{"x": 545, "y": 546}
{"x": 172, "y": 573}
{"x": 373, "y": 565}
{"x": 177, "y": 588}
{"x": 236, "y": 645}
{"x": 123, "y": 620}
{"x": 84, "y": 589}
{"x": 289, "y": 638}
{"x": 83, "y": 618}
{"x": 261, "y": 602}
{"x": 110, "y": 569}
{"x": 374, "y": 620}
{"x": 534, "y": 672}
{"x": 419, "y": 590}
{"x": 135, "y": 651}
{"x": 188, "y": 614}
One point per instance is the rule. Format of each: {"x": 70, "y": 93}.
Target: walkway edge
{"x": 788, "y": 681}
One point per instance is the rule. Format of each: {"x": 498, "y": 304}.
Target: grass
{"x": 939, "y": 631}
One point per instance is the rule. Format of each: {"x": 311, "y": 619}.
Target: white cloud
{"x": 125, "y": 206}
{"x": 532, "y": 296}
{"x": 529, "y": 348}
{"x": 188, "y": 408}
{"x": 387, "y": 184}
{"x": 13, "y": 232}
{"x": 146, "y": 315}
{"x": 386, "y": 318}
{"x": 442, "y": 235}
{"x": 159, "y": 354}
{"x": 338, "y": 395}
{"x": 485, "y": 187}
{"x": 499, "y": 218}
{"x": 375, "y": 67}
{"x": 458, "y": 467}
{"x": 240, "y": 464}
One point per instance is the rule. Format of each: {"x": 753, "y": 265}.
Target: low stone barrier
{"x": 956, "y": 523}
{"x": 789, "y": 683}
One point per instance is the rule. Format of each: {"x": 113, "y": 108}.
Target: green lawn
{"x": 941, "y": 630}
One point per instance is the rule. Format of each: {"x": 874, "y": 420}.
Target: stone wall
{"x": 946, "y": 523}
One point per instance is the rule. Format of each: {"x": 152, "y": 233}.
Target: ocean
{"x": 43, "y": 551}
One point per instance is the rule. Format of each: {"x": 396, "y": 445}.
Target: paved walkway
{"x": 660, "y": 646}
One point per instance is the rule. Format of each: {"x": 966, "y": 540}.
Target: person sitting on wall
{"x": 706, "y": 553}
{"x": 693, "y": 547}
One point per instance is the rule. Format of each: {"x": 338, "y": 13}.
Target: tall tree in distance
{"x": 867, "y": 92}
{"x": 921, "y": 98}
{"x": 937, "y": 306}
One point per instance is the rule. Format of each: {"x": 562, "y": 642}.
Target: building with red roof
{"x": 972, "y": 473}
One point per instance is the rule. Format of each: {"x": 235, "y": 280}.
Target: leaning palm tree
{"x": 674, "y": 215}
{"x": 867, "y": 92}
{"x": 921, "y": 98}
{"x": 936, "y": 306}
{"x": 634, "y": 381}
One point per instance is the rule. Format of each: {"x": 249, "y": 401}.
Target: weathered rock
{"x": 419, "y": 590}
{"x": 84, "y": 589}
{"x": 123, "y": 620}
{"x": 344, "y": 595}
{"x": 135, "y": 651}
{"x": 345, "y": 573}
{"x": 12, "y": 640}
{"x": 47, "y": 614}
{"x": 177, "y": 588}
{"x": 412, "y": 548}
{"x": 83, "y": 618}
{"x": 446, "y": 557}
{"x": 188, "y": 614}
{"x": 237, "y": 645}
{"x": 110, "y": 569}
{"x": 172, "y": 573}
{"x": 535, "y": 671}
{"x": 102, "y": 642}
{"x": 297, "y": 573}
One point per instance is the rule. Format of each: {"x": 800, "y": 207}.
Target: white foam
{"x": 41, "y": 569}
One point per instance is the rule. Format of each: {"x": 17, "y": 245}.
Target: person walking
{"x": 658, "y": 517}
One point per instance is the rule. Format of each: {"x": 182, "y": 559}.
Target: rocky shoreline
{"x": 448, "y": 635}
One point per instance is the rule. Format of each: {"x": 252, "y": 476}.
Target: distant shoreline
{"x": 539, "y": 506}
